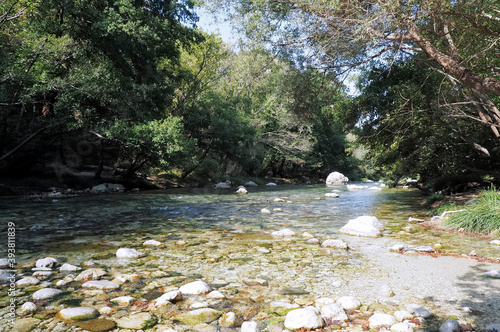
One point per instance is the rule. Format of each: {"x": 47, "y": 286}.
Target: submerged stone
{"x": 283, "y": 232}
{"x": 198, "y": 316}
{"x": 334, "y": 243}
{"x": 46, "y": 293}
{"x": 77, "y": 314}
{"x": 101, "y": 284}
{"x": 90, "y": 274}
{"x": 27, "y": 281}
{"x": 69, "y": 267}
{"x": 137, "y": 321}
{"x": 97, "y": 325}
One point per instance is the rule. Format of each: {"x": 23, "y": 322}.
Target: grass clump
{"x": 482, "y": 216}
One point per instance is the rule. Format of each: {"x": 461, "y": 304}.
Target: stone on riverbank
{"x": 169, "y": 297}
{"x": 90, "y": 274}
{"x": 27, "y": 281}
{"x": 128, "y": 253}
{"x": 363, "y": 226}
{"x": 77, "y": 314}
{"x": 249, "y": 327}
{"x": 419, "y": 310}
{"x": 195, "y": 288}
{"x": 380, "y": 319}
{"x": 334, "y": 195}
{"x": 198, "y": 316}
{"x": 137, "y": 321}
{"x": 450, "y": 325}
{"x": 307, "y": 318}
{"x": 151, "y": 243}
{"x": 402, "y": 327}
{"x": 108, "y": 188}
{"x": 69, "y": 267}
{"x": 101, "y": 284}
{"x": 336, "y": 178}
{"x": 333, "y": 312}
{"x": 401, "y": 315}
{"x": 27, "y": 308}
{"x": 123, "y": 300}
{"x": 229, "y": 319}
{"x": 46, "y": 293}
{"x": 283, "y": 232}
{"x": 493, "y": 328}
{"x": 349, "y": 302}
{"x": 495, "y": 274}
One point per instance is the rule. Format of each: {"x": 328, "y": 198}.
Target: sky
{"x": 215, "y": 24}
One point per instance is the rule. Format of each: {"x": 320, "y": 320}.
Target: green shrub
{"x": 482, "y": 216}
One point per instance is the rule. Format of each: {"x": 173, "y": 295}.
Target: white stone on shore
{"x": 265, "y": 211}
{"x": 249, "y": 327}
{"x": 333, "y": 311}
{"x": 495, "y": 242}
{"x": 69, "y": 267}
{"x": 223, "y": 185}
{"x": 151, "y": 243}
{"x": 194, "y": 288}
{"x": 450, "y": 325}
{"x": 354, "y": 187}
{"x": 323, "y": 301}
{"x": 334, "y": 243}
{"x": 27, "y": 281}
{"x": 128, "y": 253}
{"x": 229, "y": 319}
{"x": 349, "y": 302}
{"x": 307, "y": 318}
{"x": 46, "y": 293}
{"x": 283, "y": 232}
{"x": 27, "y": 308}
{"x": 271, "y": 184}
{"x": 4, "y": 262}
{"x": 495, "y": 274}
{"x": 402, "y": 327}
{"x": 106, "y": 311}
{"x": 419, "y": 310}
{"x": 251, "y": 184}
{"x": 334, "y": 195}
{"x": 199, "y": 305}
{"x": 78, "y": 314}
{"x": 307, "y": 235}
{"x": 313, "y": 240}
{"x": 90, "y": 274}
{"x": 283, "y": 304}
{"x": 363, "y": 226}
{"x": 123, "y": 300}
{"x": 169, "y": 297}
{"x": 49, "y": 262}
{"x": 380, "y": 319}
{"x": 101, "y": 284}
{"x": 402, "y": 315}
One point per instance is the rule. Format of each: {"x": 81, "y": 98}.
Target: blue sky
{"x": 216, "y": 24}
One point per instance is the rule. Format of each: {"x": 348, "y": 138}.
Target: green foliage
{"x": 481, "y": 216}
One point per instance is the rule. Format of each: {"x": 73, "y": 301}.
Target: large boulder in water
{"x": 336, "y": 178}
{"x": 363, "y": 226}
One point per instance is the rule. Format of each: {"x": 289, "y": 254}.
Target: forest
{"x": 133, "y": 89}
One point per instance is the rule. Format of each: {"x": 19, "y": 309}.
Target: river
{"x": 224, "y": 238}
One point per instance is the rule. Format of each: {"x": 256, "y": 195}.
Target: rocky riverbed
{"x": 230, "y": 281}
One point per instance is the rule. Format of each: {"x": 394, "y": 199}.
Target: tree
{"x": 455, "y": 37}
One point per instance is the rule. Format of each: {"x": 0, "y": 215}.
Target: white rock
{"x": 334, "y": 243}
{"x": 46, "y": 293}
{"x": 169, "y": 297}
{"x": 283, "y": 232}
{"x": 91, "y": 274}
{"x": 229, "y": 319}
{"x": 313, "y": 240}
{"x": 418, "y": 310}
{"x": 194, "y": 288}
{"x": 363, "y": 226}
{"x": 450, "y": 325}
{"x": 101, "y": 284}
{"x": 283, "y": 304}
{"x": 78, "y": 313}
{"x": 333, "y": 311}
{"x": 123, "y": 300}
{"x": 116, "y": 187}
{"x": 28, "y": 308}
{"x": 307, "y": 235}
{"x": 334, "y": 195}
{"x": 27, "y": 281}
{"x": 402, "y": 327}
{"x": 69, "y": 267}
{"x": 401, "y": 315}
{"x": 241, "y": 191}
{"x": 151, "y": 243}
{"x": 199, "y": 305}
{"x": 336, "y": 178}
{"x": 215, "y": 295}
{"x": 49, "y": 262}
{"x": 308, "y": 318}
{"x": 271, "y": 184}
{"x": 354, "y": 187}
{"x": 349, "y": 302}
{"x": 251, "y": 184}
{"x": 495, "y": 242}
{"x": 379, "y": 319}
{"x": 4, "y": 262}
{"x": 128, "y": 253}
{"x": 492, "y": 274}
{"x": 249, "y": 327}
{"x": 266, "y": 211}
{"x": 135, "y": 321}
